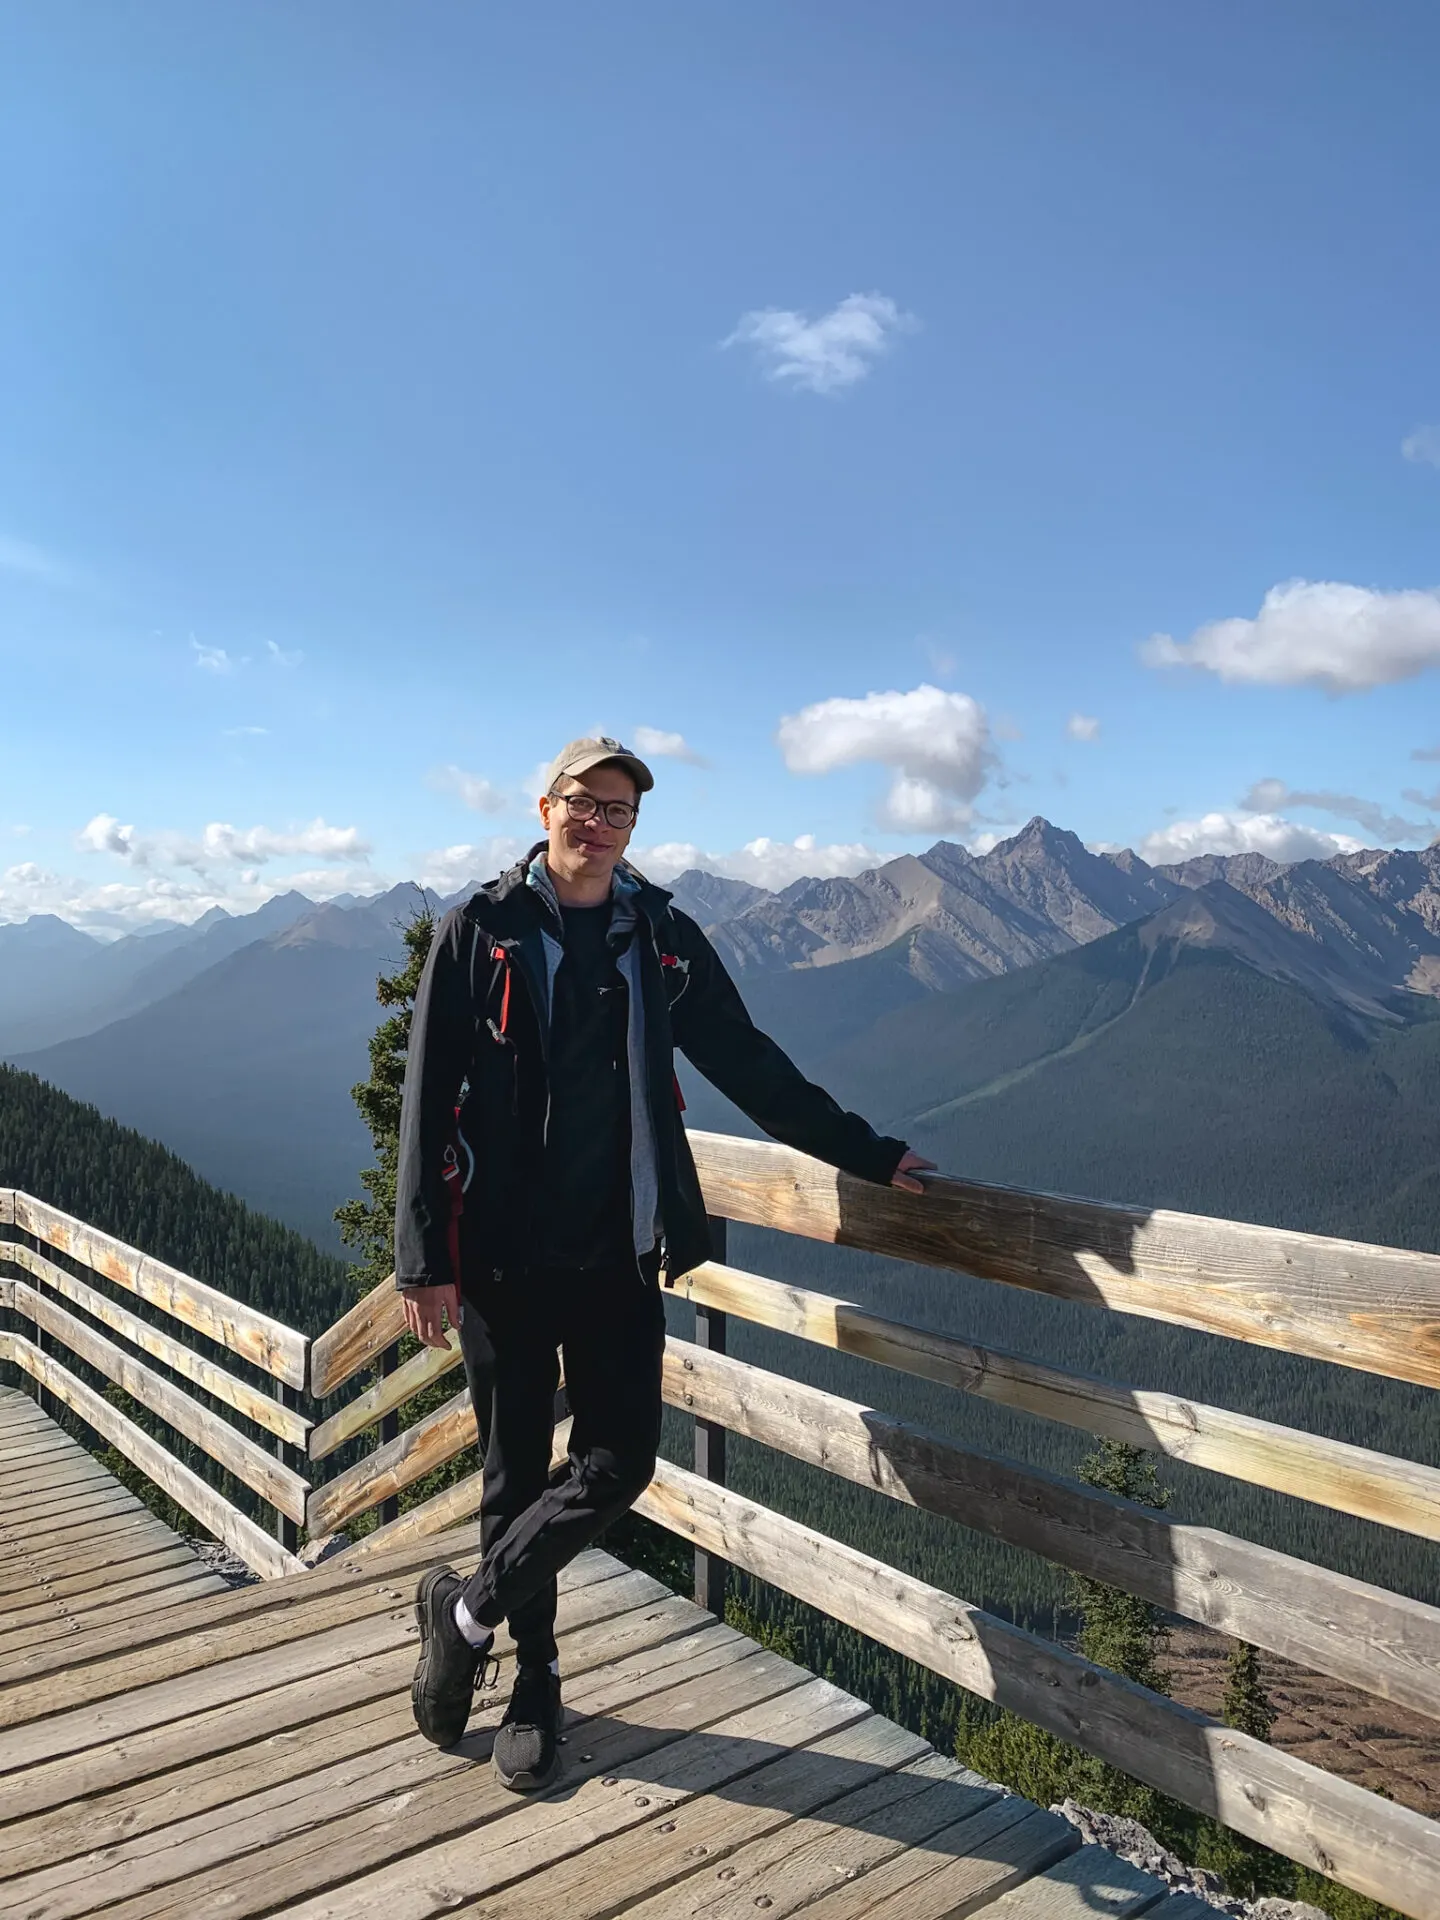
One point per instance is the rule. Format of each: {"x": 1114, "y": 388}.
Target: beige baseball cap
{"x": 581, "y": 755}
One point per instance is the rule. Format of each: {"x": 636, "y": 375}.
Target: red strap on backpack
{"x": 502, "y": 958}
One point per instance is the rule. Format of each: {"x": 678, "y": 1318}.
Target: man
{"x": 552, "y": 1001}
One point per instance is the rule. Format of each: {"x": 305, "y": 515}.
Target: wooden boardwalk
{"x": 74, "y": 1544}
{"x": 251, "y": 1752}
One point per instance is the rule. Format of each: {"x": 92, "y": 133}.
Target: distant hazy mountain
{"x": 1036, "y": 894}
{"x": 244, "y": 1062}
{"x": 709, "y": 897}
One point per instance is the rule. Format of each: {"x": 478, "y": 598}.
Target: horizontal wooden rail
{"x": 357, "y": 1339}
{"x": 249, "y": 1463}
{"x": 1374, "y": 1486}
{"x": 266, "y": 1343}
{"x": 1378, "y": 1848}
{"x": 449, "y": 1430}
{"x": 257, "y": 1405}
{"x": 444, "y": 1509}
{"x": 1361, "y": 1634}
{"x": 1376, "y": 1308}
{"x": 388, "y": 1393}
{"x": 238, "y": 1532}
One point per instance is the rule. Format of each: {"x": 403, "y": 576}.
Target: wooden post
{"x": 389, "y": 1430}
{"x": 287, "y": 1531}
{"x": 711, "y": 1572}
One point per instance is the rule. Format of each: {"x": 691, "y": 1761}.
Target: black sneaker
{"x": 527, "y": 1752}
{"x": 450, "y": 1670}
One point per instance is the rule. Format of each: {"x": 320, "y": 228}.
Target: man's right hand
{"x": 426, "y": 1310}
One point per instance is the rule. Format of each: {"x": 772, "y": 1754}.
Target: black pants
{"x": 610, "y": 1323}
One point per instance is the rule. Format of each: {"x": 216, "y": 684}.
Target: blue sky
{"x": 390, "y": 393}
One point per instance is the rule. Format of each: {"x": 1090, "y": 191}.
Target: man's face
{"x": 588, "y": 848}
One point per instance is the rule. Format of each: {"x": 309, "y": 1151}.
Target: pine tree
{"x": 1117, "y": 1631}
{"x": 1246, "y": 1706}
{"x": 370, "y": 1224}
{"x": 1244, "y": 1864}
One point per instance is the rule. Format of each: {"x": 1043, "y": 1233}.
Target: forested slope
{"x": 69, "y": 1154}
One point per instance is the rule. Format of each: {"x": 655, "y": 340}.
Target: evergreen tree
{"x": 1245, "y": 1865}
{"x": 370, "y": 1224}
{"x": 1117, "y": 1631}
{"x": 1246, "y": 1705}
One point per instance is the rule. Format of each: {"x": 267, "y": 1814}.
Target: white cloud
{"x": 282, "y": 659}
{"x": 478, "y": 793}
{"x": 763, "y": 862}
{"x": 1315, "y": 633}
{"x": 1082, "y": 726}
{"x": 937, "y": 745}
{"x": 666, "y": 746}
{"x": 1265, "y": 833}
{"x": 244, "y": 733}
{"x": 447, "y": 869}
{"x": 104, "y": 834}
{"x": 221, "y": 845}
{"x": 1425, "y": 753}
{"x": 214, "y": 659}
{"x": 824, "y": 355}
{"x": 121, "y": 907}
{"x": 30, "y": 562}
{"x": 1422, "y": 446}
{"x": 1269, "y": 796}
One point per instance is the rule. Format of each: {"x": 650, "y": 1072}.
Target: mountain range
{"x": 927, "y": 991}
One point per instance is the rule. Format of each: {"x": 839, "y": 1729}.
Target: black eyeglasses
{"x": 584, "y": 806}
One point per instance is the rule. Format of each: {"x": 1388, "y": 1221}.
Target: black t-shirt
{"x": 585, "y": 1213}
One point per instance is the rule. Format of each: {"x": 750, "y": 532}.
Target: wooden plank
{"x": 266, "y": 1411}
{"x": 7, "y": 1206}
{"x": 59, "y": 1504}
{"x": 375, "y": 1654}
{"x": 1380, "y": 1641}
{"x": 112, "y": 1545}
{"x": 250, "y": 1463}
{"x": 85, "y": 1611}
{"x": 437, "y": 1795}
{"x": 393, "y": 1390}
{"x": 276, "y": 1793}
{"x": 357, "y": 1339}
{"x": 1373, "y": 1486}
{"x": 182, "y": 1587}
{"x": 104, "y": 1541}
{"x": 449, "y": 1430}
{"x": 1370, "y": 1844}
{"x": 788, "y": 1870}
{"x": 612, "y": 1839}
{"x": 1376, "y": 1308}
{"x": 958, "y": 1870}
{"x": 176, "y": 1553}
{"x": 698, "y": 1832}
{"x": 206, "y": 1759}
{"x": 259, "y": 1552}
{"x": 266, "y": 1343}
{"x": 1089, "y": 1881}
{"x": 263, "y": 1612}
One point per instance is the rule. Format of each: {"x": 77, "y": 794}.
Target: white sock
{"x": 555, "y": 1668}
{"x": 478, "y": 1637}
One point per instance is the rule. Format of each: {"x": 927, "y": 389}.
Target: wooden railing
{"x": 30, "y": 1280}
{"x": 1366, "y": 1307}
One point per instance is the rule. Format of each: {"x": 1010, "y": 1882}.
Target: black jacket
{"x": 456, "y": 1040}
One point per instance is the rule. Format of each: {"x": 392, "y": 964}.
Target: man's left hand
{"x": 910, "y": 1165}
